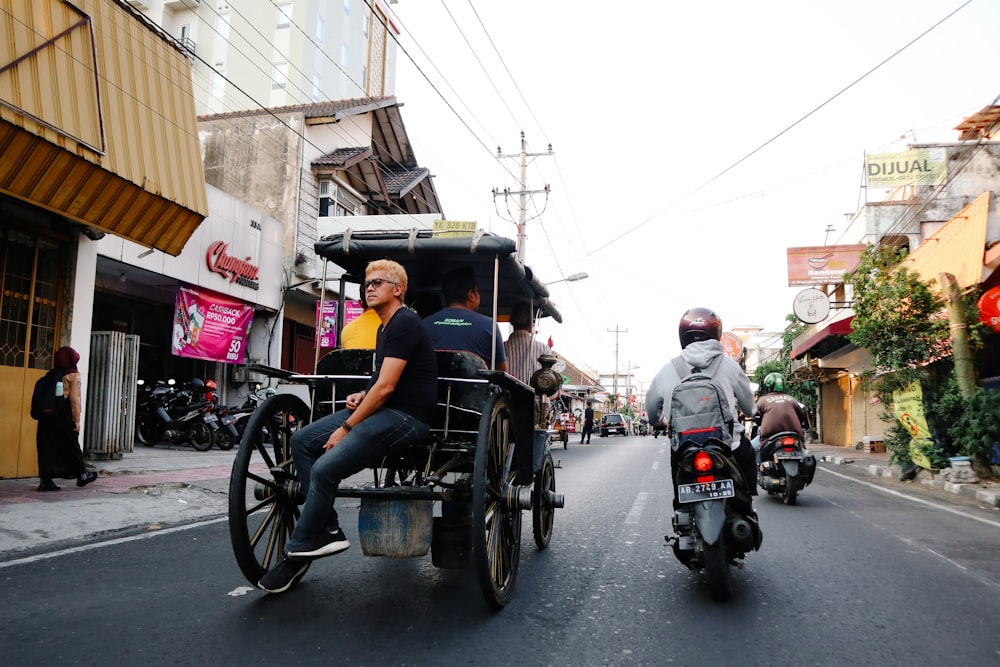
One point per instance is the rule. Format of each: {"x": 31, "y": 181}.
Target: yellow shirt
{"x": 360, "y": 332}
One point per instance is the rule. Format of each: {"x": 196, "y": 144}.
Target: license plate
{"x": 788, "y": 456}
{"x": 691, "y": 493}
{"x": 210, "y": 418}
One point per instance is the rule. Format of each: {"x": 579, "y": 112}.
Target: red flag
{"x": 550, "y": 342}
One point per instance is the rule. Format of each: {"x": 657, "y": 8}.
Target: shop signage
{"x": 810, "y": 266}
{"x": 920, "y": 166}
{"x": 239, "y": 271}
{"x": 989, "y": 308}
{"x": 210, "y": 326}
{"x": 732, "y": 346}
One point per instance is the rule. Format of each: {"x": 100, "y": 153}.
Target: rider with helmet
{"x": 777, "y": 411}
{"x": 700, "y": 331}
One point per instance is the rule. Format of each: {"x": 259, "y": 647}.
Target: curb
{"x": 971, "y": 491}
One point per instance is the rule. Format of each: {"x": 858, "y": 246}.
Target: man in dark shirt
{"x": 459, "y": 326}
{"x": 393, "y": 412}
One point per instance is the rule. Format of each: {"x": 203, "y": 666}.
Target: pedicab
{"x": 486, "y": 460}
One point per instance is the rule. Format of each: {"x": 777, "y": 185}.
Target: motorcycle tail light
{"x": 702, "y": 479}
{"x": 702, "y": 462}
{"x": 788, "y": 441}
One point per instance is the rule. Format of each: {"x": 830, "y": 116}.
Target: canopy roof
{"x": 427, "y": 258}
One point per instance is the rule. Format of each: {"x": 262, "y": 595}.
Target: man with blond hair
{"x": 392, "y": 413}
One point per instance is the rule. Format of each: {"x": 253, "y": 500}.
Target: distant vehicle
{"x": 613, "y": 423}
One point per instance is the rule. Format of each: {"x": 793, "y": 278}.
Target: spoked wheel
{"x": 717, "y": 569}
{"x": 791, "y": 491}
{"x": 200, "y": 436}
{"x": 496, "y": 519}
{"x": 542, "y": 511}
{"x": 264, "y": 491}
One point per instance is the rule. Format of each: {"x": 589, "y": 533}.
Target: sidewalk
{"x": 151, "y": 487}
{"x": 876, "y": 466}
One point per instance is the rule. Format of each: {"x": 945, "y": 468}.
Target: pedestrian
{"x": 588, "y": 425}
{"x": 391, "y": 414}
{"x": 57, "y": 439}
{"x": 359, "y": 333}
{"x": 522, "y": 348}
{"x": 459, "y": 326}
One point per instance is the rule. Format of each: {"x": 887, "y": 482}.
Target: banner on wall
{"x": 210, "y": 326}
{"x": 326, "y": 323}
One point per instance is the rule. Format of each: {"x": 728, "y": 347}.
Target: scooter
{"x": 710, "y": 531}
{"x": 164, "y": 414}
{"x": 785, "y": 467}
{"x": 233, "y": 420}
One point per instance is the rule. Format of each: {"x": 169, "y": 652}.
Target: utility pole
{"x": 614, "y": 379}
{"x": 523, "y": 192}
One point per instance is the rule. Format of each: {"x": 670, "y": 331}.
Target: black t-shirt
{"x": 404, "y": 337}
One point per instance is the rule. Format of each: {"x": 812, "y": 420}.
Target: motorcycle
{"x": 785, "y": 466}
{"x": 165, "y": 414}
{"x": 659, "y": 429}
{"x": 710, "y": 531}
{"x": 233, "y": 420}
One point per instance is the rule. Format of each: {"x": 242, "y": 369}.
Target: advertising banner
{"x": 326, "y": 323}
{"x": 210, "y": 326}
{"x": 822, "y": 265}
{"x": 922, "y": 166}
{"x": 908, "y": 406}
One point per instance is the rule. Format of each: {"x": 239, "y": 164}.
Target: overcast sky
{"x": 693, "y": 141}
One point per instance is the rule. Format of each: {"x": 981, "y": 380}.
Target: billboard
{"x": 210, "y": 326}
{"x": 920, "y": 166}
{"x": 822, "y": 265}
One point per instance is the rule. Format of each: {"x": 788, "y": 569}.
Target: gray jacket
{"x": 730, "y": 376}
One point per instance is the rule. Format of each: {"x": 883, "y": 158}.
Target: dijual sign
{"x": 210, "y": 326}
{"x": 921, "y": 166}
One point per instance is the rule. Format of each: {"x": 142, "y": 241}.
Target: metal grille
{"x": 111, "y": 393}
{"x": 29, "y": 299}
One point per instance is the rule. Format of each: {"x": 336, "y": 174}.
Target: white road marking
{"x": 893, "y": 492}
{"x": 101, "y": 545}
{"x": 637, "y": 507}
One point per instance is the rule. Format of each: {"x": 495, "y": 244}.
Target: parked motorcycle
{"x": 785, "y": 467}
{"x": 709, "y": 531}
{"x": 165, "y": 414}
{"x": 233, "y": 420}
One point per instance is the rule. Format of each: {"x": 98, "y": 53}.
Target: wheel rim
{"x": 543, "y": 514}
{"x": 496, "y": 526}
{"x": 264, "y": 493}
{"x": 201, "y": 437}
{"x": 147, "y": 431}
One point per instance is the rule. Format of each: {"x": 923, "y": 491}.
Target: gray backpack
{"x": 699, "y": 410}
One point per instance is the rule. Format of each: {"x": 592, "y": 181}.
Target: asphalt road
{"x": 852, "y": 575}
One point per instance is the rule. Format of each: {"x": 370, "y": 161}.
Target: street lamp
{"x": 570, "y": 279}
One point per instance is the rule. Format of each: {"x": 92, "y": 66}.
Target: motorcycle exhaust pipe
{"x": 742, "y": 533}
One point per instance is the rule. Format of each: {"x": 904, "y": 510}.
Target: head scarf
{"x": 66, "y": 358}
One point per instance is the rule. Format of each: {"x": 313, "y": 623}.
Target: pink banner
{"x": 210, "y": 326}
{"x": 326, "y": 322}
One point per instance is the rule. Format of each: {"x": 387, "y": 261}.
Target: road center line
{"x": 893, "y": 492}
{"x": 637, "y": 507}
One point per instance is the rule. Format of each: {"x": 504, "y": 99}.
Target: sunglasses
{"x": 376, "y": 283}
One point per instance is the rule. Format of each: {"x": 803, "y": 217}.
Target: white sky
{"x": 645, "y": 104}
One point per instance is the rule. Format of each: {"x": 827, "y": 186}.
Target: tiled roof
{"x": 342, "y": 157}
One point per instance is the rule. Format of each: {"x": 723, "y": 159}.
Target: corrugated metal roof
{"x": 97, "y": 122}
{"x": 957, "y": 248}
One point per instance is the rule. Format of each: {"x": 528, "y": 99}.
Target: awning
{"x": 957, "y": 248}
{"x": 823, "y": 340}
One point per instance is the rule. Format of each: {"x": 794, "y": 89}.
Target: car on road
{"x": 612, "y": 423}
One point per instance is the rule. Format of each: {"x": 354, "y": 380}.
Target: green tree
{"x": 899, "y": 319}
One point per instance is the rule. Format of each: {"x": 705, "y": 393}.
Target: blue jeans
{"x": 321, "y": 471}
